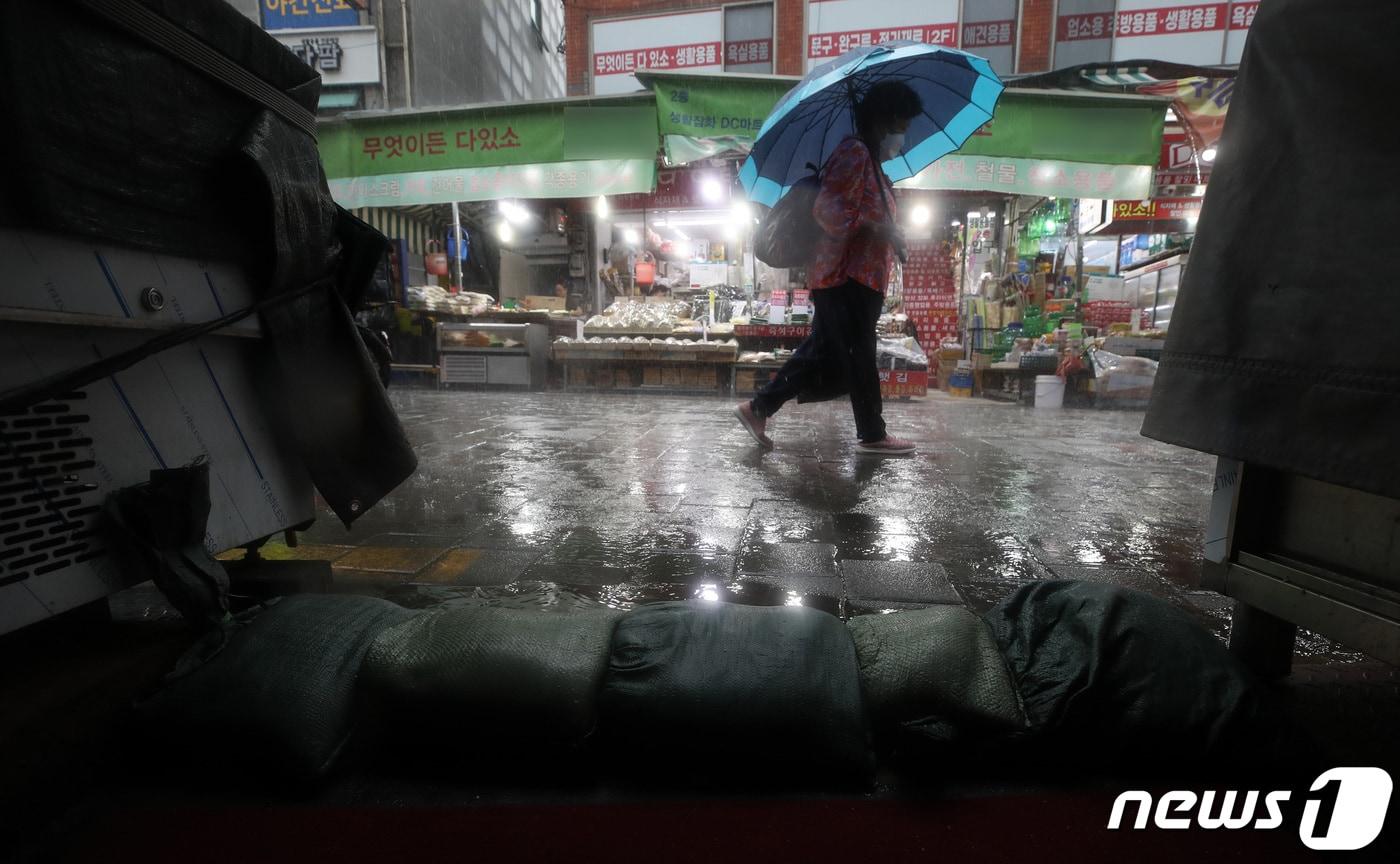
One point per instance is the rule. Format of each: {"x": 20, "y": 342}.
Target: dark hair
{"x": 888, "y": 100}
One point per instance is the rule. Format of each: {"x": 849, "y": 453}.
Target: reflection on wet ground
{"x": 560, "y": 501}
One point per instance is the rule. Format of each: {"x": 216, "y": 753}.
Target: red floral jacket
{"x": 849, "y": 200}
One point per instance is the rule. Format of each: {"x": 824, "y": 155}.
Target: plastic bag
{"x": 788, "y": 233}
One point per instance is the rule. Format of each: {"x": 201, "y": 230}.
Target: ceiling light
{"x": 631, "y": 236}
{"x": 711, "y": 190}
{"x": 601, "y": 208}
{"x": 742, "y": 212}
{"x": 1208, "y": 155}
{"x": 514, "y": 212}
{"x": 921, "y": 215}
{"x": 504, "y": 232}
{"x": 957, "y": 224}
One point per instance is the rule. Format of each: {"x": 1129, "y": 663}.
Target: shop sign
{"x": 297, "y": 14}
{"x": 1154, "y": 209}
{"x": 1093, "y": 214}
{"x": 1189, "y": 32}
{"x": 989, "y": 31}
{"x": 552, "y": 180}
{"x": 1084, "y": 32}
{"x": 748, "y": 38}
{"x": 678, "y": 189}
{"x": 348, "y": 55}
{"x": 1044, "y": 177}
{"x": 903, "y": 382}
{"x": 836, "y": 26}
{"x": 1179, "y": 165}
{"x": 430, "y": 141}
{"x": 1241, "y": 19}
{"x": 687, "y": 41}
{"x": 709, "y": 108}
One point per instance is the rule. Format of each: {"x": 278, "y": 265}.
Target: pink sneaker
{"x": 890, "y": 446}
{"x": 754, "y": 424}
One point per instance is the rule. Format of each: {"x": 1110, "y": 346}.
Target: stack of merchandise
{"x": 633, "y": 318}
{"x": 431, "y": 298}
{"x": 1101, "y": 313}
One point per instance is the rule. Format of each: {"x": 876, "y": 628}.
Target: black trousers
{"x": 839, "y": 351}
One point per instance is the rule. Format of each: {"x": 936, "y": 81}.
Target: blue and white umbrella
{"x": 959, "y": 92}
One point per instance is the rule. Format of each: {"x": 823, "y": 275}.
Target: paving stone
{"x": 900, "y": 581}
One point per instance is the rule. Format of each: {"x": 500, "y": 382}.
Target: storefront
{"x": 519, "y": 180}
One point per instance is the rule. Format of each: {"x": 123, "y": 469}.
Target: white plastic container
{"x": 1049, "y": 391}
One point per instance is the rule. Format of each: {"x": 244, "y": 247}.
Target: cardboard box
{"x": 707, "y": 377}
{"x": 578, "y": 375}
{"x": 670, "y": 377}
{"x": 744, "y": 381}
{"x": 545, "y": 301}
{"x": 651, "y": 376}
{"x": 603, "y": 377}
{"x": 690, "y": 377}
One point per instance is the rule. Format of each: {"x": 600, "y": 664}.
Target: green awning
{"x": 1057, "y": 144}
{"x": 1051, "y": 178}
{"x": 582, "y": 179}
{"x": 1041, "y": 142}
{"x": 563, "y": 148}
{"x": 714, "y": 106}
{"x": 1073, "y": 127}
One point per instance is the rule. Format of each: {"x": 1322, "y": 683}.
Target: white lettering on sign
{"x": 1170, "y": 21}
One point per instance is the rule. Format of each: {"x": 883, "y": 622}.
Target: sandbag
{"x": 935, "y": 672}
{"x": 278, "y": 701}
{"x": 723, "y": 690}
{"x": 1122, "y": 672}
{"x": 511, "y": 674}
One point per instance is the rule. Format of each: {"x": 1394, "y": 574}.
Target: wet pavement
{"x": 558, "y": 501}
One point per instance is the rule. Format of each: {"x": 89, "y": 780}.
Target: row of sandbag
{"x": 695, "y": 690}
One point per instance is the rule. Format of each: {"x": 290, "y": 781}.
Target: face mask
{"x": 891, "y": 145}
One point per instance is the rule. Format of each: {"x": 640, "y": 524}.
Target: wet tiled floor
{"x": 566, "y": 500}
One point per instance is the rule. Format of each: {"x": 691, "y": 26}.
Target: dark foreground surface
{"x": 559, "y": 502}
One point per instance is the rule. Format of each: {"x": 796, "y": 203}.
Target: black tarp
{"x": 115, "y": 139}
{"x": 1281, "y": 350}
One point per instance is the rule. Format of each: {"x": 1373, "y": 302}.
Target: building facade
{"x": 422, "y": 53}
{"x": 606, "y": 40}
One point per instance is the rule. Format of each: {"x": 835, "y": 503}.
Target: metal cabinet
{"x": 492, "y": 354}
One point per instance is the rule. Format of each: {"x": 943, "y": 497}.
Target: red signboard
{"x": 836, "y": 44}
{"x": 1242, "y": 15}
{"x": 1180, "y": 163}
{"x": 903, "y": 382}
{"x": 1156, "y": 209}
{"x": 930, "y": 293}
{"x": 664, "y": 57}
{"x": 1073, "y": 28}
{"x": 748, "y": 51}
{"x": 1173, "y": 20}
{"x": 772, "y": 331}
{"x": 989, "y": 34}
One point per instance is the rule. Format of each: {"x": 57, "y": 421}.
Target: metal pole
{"x": 457, "y": 245}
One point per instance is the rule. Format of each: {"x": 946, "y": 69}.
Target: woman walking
{"x": 847, "y": 277}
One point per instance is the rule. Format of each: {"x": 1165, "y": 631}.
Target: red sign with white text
{"x": 826, "y": 45}
{"x": 1172, "y": 20}
{"x": 665, "y": 57}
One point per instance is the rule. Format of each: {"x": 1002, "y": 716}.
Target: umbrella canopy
{"x": 959, "y": 93}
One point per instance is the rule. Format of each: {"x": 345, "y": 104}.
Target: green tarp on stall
{"x": 1040, "y": 142}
